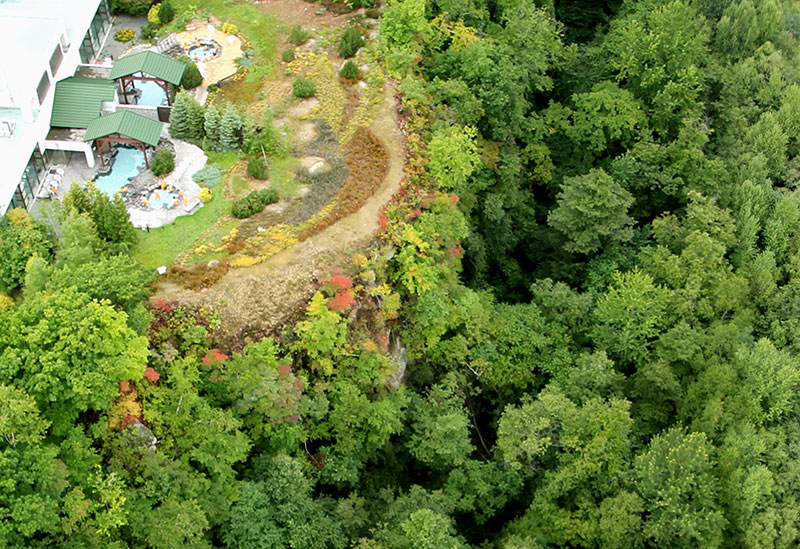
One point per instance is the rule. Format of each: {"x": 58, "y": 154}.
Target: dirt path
{"x": 268, "y": 294}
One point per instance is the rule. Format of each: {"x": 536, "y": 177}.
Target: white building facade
{"x": 42, "y": 42}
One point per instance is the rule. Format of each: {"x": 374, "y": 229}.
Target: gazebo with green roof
{"x": 147, "y": 66}
{"x": 78, "y": 101}
{"x": 124, "y": 127}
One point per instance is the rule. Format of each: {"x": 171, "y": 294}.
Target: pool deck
{"x": 188, "y": 160}
{"x": 223, "y": 66}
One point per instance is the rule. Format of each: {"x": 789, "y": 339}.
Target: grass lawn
{"x": 259, "y": 27}
{"x": 161, "y": 246}
{"x": 282, "y": 176}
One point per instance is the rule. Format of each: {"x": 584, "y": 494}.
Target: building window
{"x": 87, "y": 50}
{"x": 55, "y": 60}
{"x": 43, "y": 88}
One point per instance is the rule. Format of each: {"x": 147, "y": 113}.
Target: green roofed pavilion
{"x": 147, "y": 66}
{"x": 77, "y": 101}
{"x": 150, "y": 63}
{"x": 124, "y": 127}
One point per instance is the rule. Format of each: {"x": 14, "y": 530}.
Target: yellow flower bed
{"x": 244, "y": 261}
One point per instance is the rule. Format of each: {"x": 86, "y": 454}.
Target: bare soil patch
{"x": 271, "y": 293}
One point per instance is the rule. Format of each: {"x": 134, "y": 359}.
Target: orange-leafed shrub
{"x": 151, "y": 375}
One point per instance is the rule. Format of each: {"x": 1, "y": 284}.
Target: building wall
{"x": 35, "y": 39}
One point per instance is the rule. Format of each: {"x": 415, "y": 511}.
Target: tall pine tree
{"x": 229, "y": 129}
{"x": 211, "y": 125}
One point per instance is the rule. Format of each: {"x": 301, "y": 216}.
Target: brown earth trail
{"x": 266, "y": 295}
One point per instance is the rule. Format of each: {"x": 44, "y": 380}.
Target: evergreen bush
{"x": 163, "y": 162}
{"x": 350, "y": 43}
{"x": 187, "y": 118}
{"x": 257, "y": 168}
{"x": 166, "y": 12}
{"x": 191, "y": 76}
{"x": 209, "y": 176}
{"x": 297, "y": 36}
{"x": 303, "y": 87}
{"x": 253, "y": 203}
{"x": 349, "y": 70}
{"x": 287, "y": 56}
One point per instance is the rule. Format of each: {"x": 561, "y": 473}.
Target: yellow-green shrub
{"x": 205, "y": 195}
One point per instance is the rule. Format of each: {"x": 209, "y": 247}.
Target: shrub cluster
{"x": 131, "y": 7}
{"x": 230, "y": 28}
{"x": 303, "y": 87}
{"x": 257, "y": 168}
{"x": 163, "y": 162}
{"x": 287, "y": 56}
{"x": 149, "y": 31}
{"x": 350, "y": 43}
{"x": 254, "y": 203}
{"x": 124, "y": 35}
{"x": 297, "y": 35}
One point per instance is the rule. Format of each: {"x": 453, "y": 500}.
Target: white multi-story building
{"x": 41, "y": 42}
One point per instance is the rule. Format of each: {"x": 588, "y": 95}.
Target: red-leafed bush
{"x": 454, "y": 198}
{"x": 456, "y": 252}
{"x": 151, "y": 375}
{"x": 342, "y": 301}
{"x": 214, "y": 356}
{"x": 284, "y": 369}
{"x": 341, "y": 282}
{"x": 299, "y": 383}
{"x": 124, "y": 386}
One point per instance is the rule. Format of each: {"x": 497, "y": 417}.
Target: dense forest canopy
{"x": 579, "y": 327}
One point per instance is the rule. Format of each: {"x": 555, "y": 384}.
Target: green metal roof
{"x": 77, "y": 101}
{"x": 126, "y": 123}
{"x": 150, "y": 63}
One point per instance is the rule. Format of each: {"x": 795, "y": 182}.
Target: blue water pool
{"x": 203, "y": 50}
{"x": 125, "y": 165}
{"x": 162, "y": 198}
{"x": 152, "y": 94}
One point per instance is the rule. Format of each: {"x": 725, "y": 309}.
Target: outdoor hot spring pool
{"x": 152, "y": 94}
{"x": 161, "y": 198}
{"x": 203, "y": 50}
{"x": 125, "y": 165}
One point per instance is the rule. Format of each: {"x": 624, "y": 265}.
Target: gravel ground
{"x": 113, "y": 48}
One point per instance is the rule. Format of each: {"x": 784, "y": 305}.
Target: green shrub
{"x": 149, "y": 31}
{"x": 166, "y": 12}
{"x": 209, "y": 176}
{"x": 124, "y": 35}
{"x": 349, "y": 70}
{"x": 163, "y": 162}
{"x": 372, "y": 13}
{"x": 350, "y": 43}
{"x": 303, "y": 87}
{"x": 131, "y": 7}
{"x": 257, "y": 168}
{"x": 288, "y": 56}
{"x": 253, "y": 203}
{"x": 152, "y": 14}
{"x": 191, "y": 76}
{"x": 298, "y": 36}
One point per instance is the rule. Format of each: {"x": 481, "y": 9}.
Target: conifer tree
{"x": 229, "y": 128}
{"x": 211, "y": 125}
{"x": 187, "y": 118}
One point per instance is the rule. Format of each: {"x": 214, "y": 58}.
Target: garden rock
{"x": 213, "y": 263}
{"x": 319, "y": 167}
